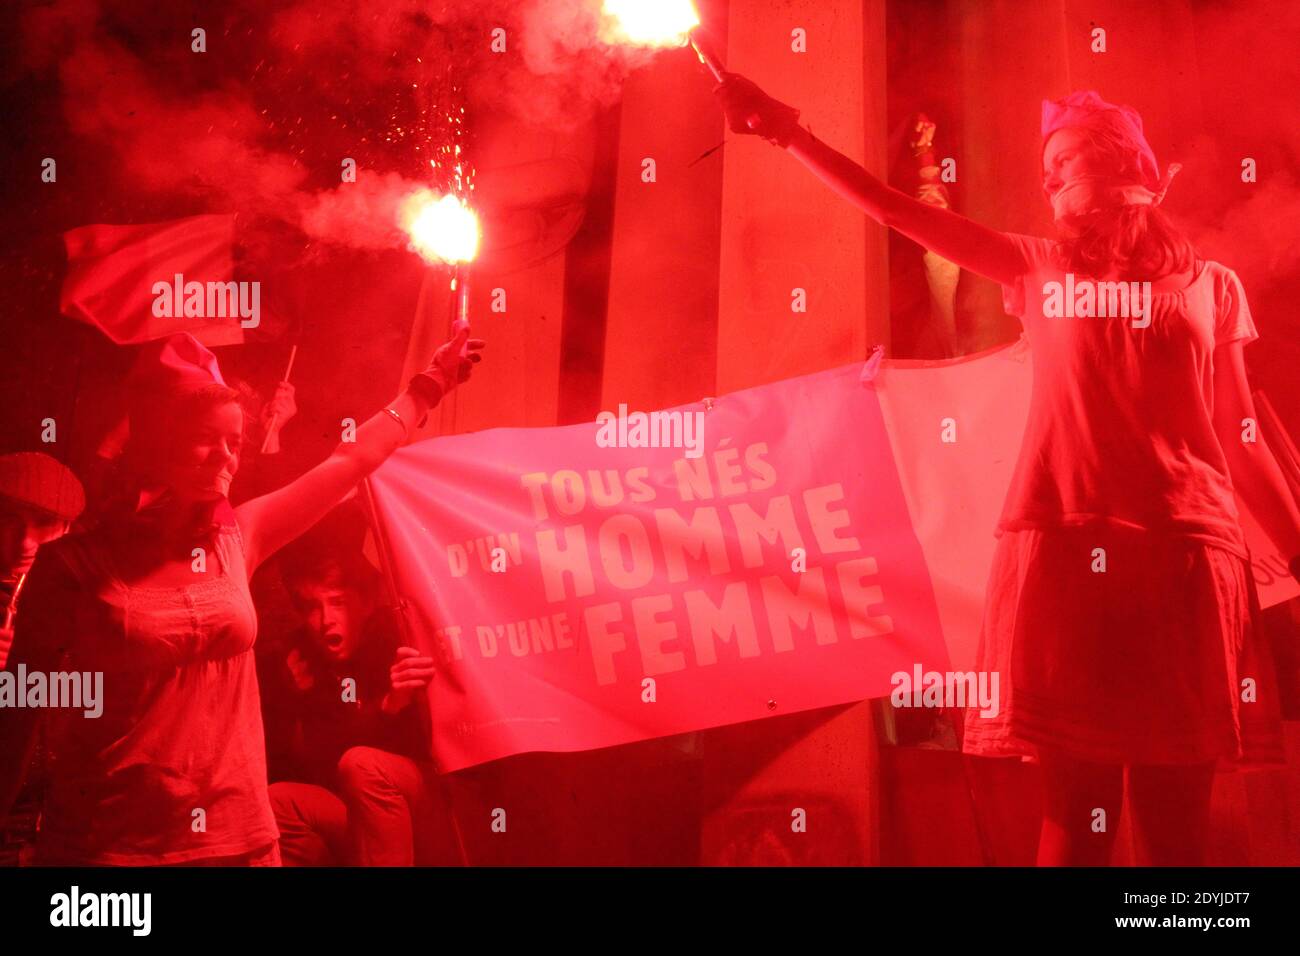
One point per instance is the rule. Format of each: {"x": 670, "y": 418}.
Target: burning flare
{"x": 442, "y": 229}
{"x": 649, "y": 22}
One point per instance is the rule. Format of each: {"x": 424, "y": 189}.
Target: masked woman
{"x": 1118, "y": 601}
{"x": 156, "y": 599}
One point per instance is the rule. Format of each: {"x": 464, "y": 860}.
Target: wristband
{"x": 427, "y": 387}
{"x": 784, "y": 135}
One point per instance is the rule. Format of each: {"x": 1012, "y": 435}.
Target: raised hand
{"x": 451, "y": 365}
{"x": 751, "y": 111}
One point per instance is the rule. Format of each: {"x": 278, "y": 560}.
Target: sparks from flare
{"x": 442, "y": 229}
{"x": 649, "y": 22}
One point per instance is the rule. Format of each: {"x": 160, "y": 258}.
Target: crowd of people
{"x": 310, "y": 745}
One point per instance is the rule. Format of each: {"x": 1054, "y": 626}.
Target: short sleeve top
{"x": 1120, "y": 425}
{"x": 174, "y": 768}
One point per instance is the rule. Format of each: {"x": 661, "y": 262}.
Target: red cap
{"x": 166, "y": 370}
{"x": 35, "y": 479}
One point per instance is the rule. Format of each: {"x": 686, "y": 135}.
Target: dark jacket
{"x": 308, "y": 731}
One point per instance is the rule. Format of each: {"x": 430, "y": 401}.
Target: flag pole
{"x": 399, "y": 606}
{"x": 270, "y": 428}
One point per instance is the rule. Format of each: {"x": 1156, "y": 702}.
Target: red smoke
{"x": 260, "y": 123}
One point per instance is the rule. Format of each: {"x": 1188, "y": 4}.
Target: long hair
{"x": 154, "y": 426}
{"x": 1138, "y": 242}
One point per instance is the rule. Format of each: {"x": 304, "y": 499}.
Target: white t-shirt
{"x": 1120, "y": 422}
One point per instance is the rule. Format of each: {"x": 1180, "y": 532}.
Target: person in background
{"x": 354, "y": 782}
{"x": 39, "y": 500}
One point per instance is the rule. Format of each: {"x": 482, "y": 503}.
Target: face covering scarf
{"x": 1086, "y": 110}
{"x": 1087, "y": 194}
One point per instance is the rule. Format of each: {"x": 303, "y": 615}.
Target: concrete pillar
{"x": 661, "y": 327}
{"x": 781, "y": 230}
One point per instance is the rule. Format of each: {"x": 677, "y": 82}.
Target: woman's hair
{"x": 154, "y": 428}
{"x": 1138, "y": 241}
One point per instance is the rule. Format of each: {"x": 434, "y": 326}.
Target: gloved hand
{"x": 749, "y": 110}
{"x": 451, "y": 365}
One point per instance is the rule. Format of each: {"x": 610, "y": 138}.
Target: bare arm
{"x": 970, "y": 245}
{"x": 1255, "y": 472}
{"x": 271, "y": 521}
{"x": 953, "y": 237}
